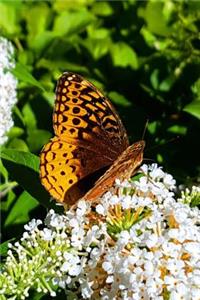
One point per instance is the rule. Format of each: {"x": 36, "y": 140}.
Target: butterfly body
{"x": 89, "y": 136}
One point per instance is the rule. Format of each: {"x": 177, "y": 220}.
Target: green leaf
{"x": 177, "y": 129}
{"x": 52, "y": 65}
{"x": 72, "y": 22}
{"x": 21, "y": 72}
{"x": 23, "y": 167}
{"x": 17, "y": 215}
{"x": 37, "y": 138}
{"x": 167, "y": 83}
{"x": 8, "y": 20}
{"x": 154, "y": 17}
{"x": 37, "y": 296}
{"x": 137, "y": 177}
{"x": 10, "y": 198}
{"x": 123, "y": 55}
{"x": 148, "y": 36}
{"x": 195, "y": 88}
{"x": 43, "y": 40}
{"x": 18, "y": 116}
{"x": 119, "y": 99}
{"x": 4, "y": 247}
{"x": 50, "y": 98}
{"x": 97, "y": 33}
{"x": 154, "y": 79}
{"x": 102, "y": 8}
{"x": 152, "y": 126}
{"x": 18, "y": 144}
{"x": 97, "y": 47}
{"x": 29, "y": 116}
{"x": 15, "y": 132}
{"x": 193, "y": 108}
{"x": 60, "y": 5}
{"x": 3, "y": 171}
{"x": 37, "y": 19}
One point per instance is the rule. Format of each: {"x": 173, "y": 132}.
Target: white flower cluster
{"x": 8, "y": 85}
{"x": 136, "y": 243}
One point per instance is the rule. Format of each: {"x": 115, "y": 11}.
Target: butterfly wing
{"x": 85, "y": 116}
{"x": 89, "y": 136}
{"x": 63, "y": 165}
{"x": 123, "y": 168}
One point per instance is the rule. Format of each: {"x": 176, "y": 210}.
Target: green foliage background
{"x": 145, "y": 55}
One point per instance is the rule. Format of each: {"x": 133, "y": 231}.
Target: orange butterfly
{"x": 89, "y": 136}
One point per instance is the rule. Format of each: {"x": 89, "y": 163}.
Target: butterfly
{"x": 89, "y": 137}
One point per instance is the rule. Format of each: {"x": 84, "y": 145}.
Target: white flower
{"x": 169, "y": 181}
{"x": 47, "y": 234}
{"x": 171, "y": 249}
{"x": 108, "y": 267}
{"x": 107, "y": 200}
{"x": 71, "y": 264}
{"x": 134, "y": 234}
{"x": 8, "y": 85}
{"x": 32, "y": 225}
{"x": 86, "y": 290}
{"x": 55, "y": 220}
{"x": 148, "y": 268}
{"x": 100, "y": 209}
{"x": 93, "y": 235}
{"x": 152, "y": 240}
{"x": 156, "y": 172}
{"x": 142, "y": 184}
{"x": 144, "y": 169}
{"x": 95, "y": 255}
{"x": 77, "y": 237}
{"x": 82, "y": 208}
{"x": 181, "y": 234}
{"x": 123, "y": 239}
{"x": 74, "y": 222}
{"x": 65, "y": 281}
{"x": 127, "y": 202}
{"x": 192, "y": 248}
{"x": 175, "y": 266}
{"x": 170, "y": 281}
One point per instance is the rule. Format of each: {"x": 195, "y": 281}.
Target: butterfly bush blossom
{"x": 8, "y": 84}
{"x": 137, "y": 242}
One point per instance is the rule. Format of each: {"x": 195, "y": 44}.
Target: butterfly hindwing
{"x": 63, "y": 165}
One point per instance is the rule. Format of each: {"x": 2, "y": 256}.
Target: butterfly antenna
{"x": 145, "y": 129}
{"x": 149, "y": 160}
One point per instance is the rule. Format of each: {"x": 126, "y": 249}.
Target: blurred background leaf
{"x": 22, "y": 74}
{"x": 193, "y": 108}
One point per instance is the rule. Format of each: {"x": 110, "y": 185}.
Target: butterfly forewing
{"x": 123, "y": 168}
{"x": 83, "y": 114}
{"x": 89, "y": 135}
